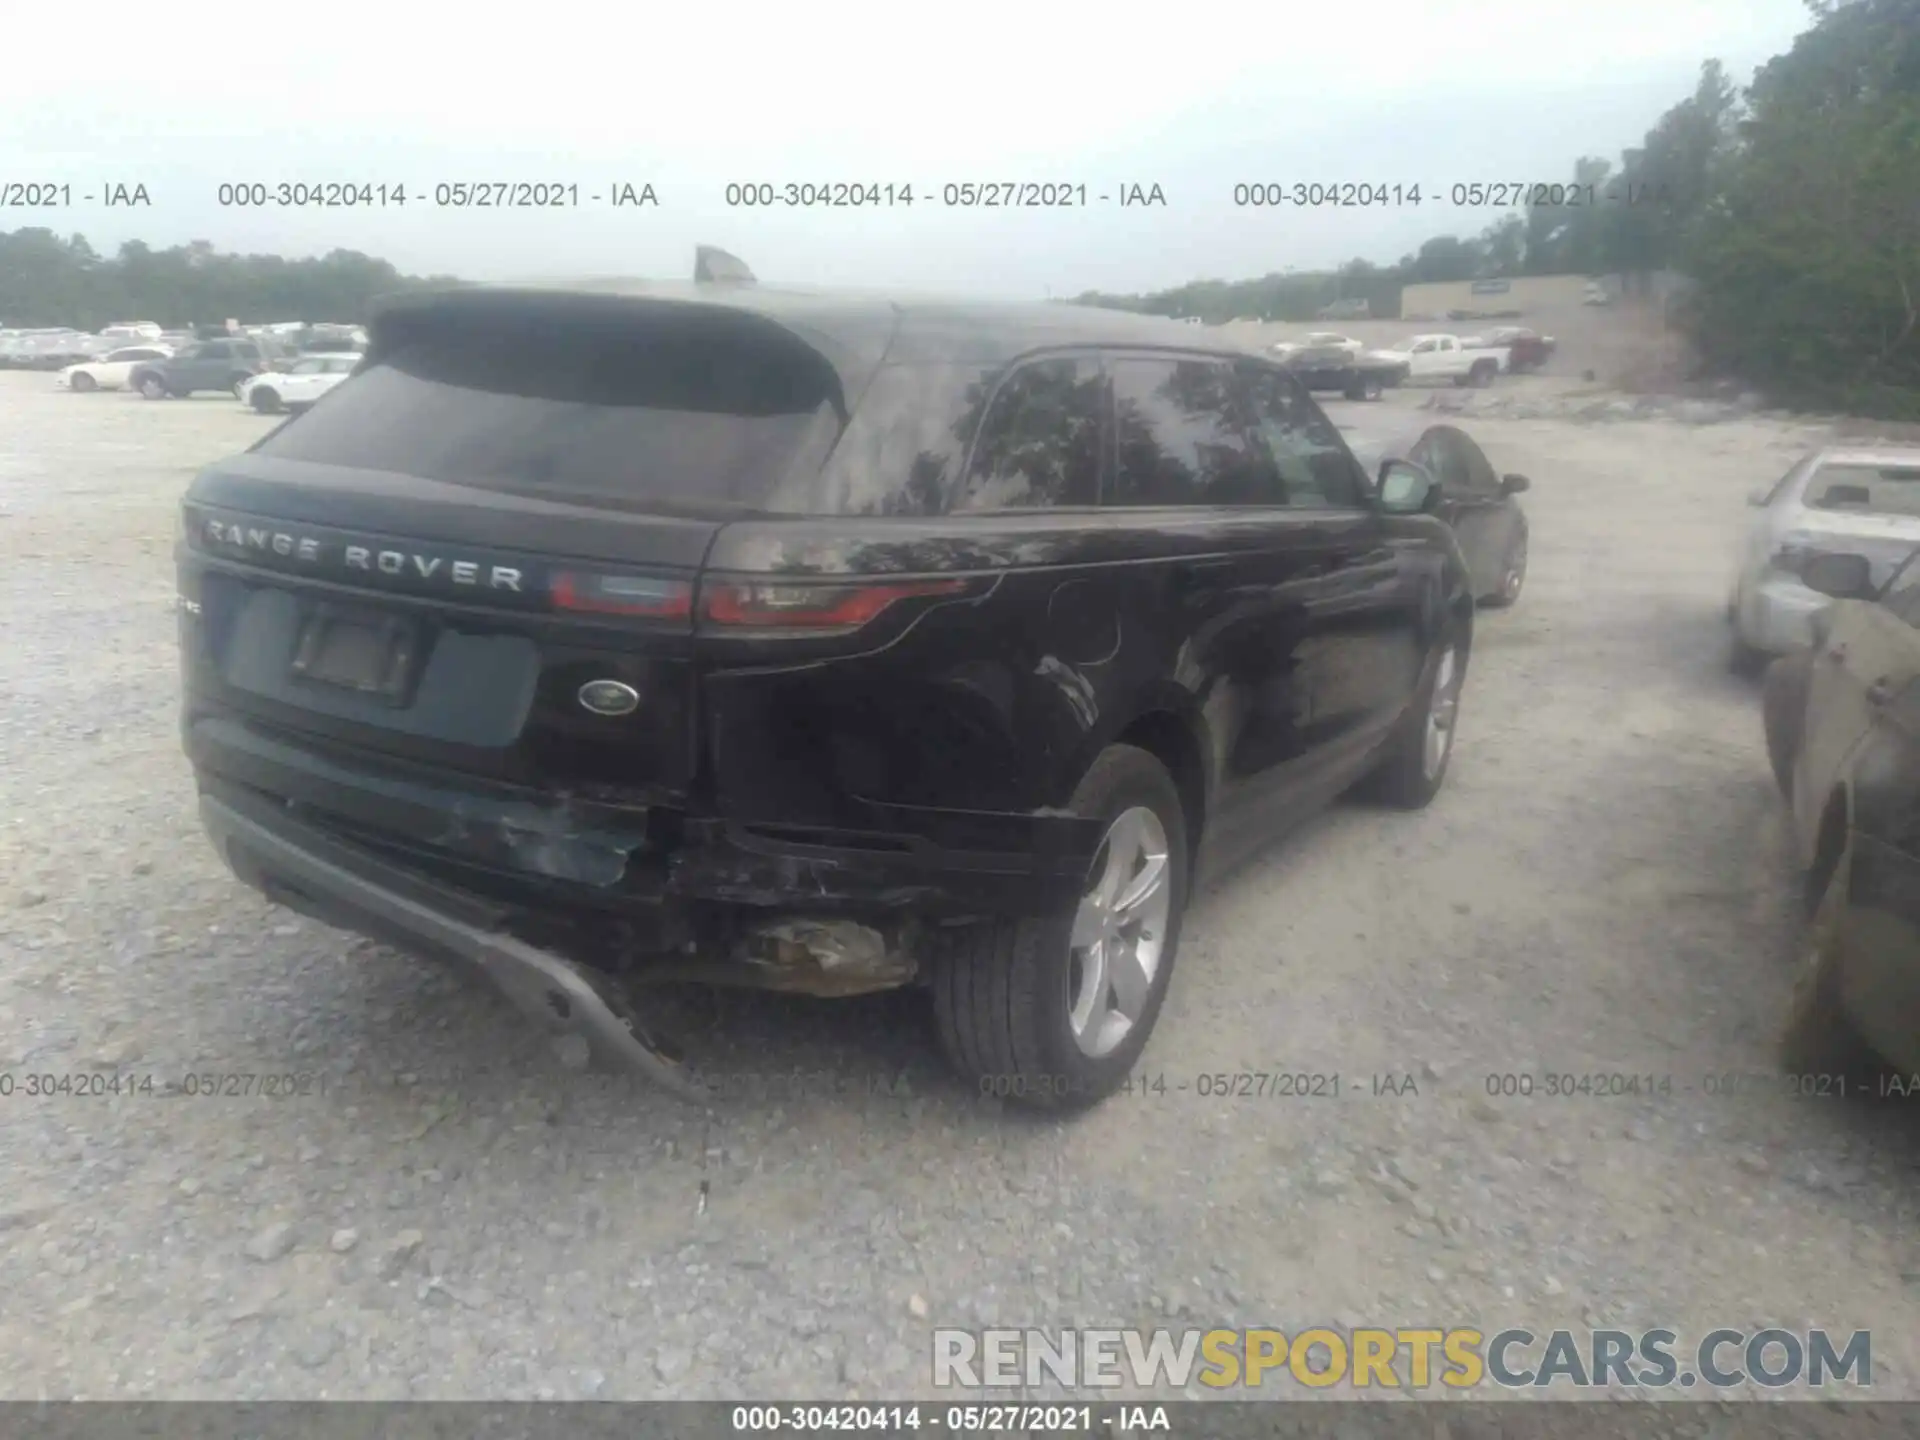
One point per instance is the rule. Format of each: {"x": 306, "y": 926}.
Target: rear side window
{"x": 1315, "y": 470}
{"x": 901, "y": 450}
{"x": 1181, "y": 436}
{"x": 692, "y": 413}
{"x": 1040, "y": 443}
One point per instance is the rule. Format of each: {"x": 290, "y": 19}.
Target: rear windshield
{"x": 1871, "y": 489}
{"x": 689, "y": 417}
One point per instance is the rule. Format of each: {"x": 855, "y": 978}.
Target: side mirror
{"x": 1844, "y": 577}
{"x": 1514, "y": 484}
{"x": 1405, "y": 488}
{"x": 1757, "y": 497}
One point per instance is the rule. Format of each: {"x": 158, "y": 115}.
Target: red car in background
{"x": 1526, "y": 349}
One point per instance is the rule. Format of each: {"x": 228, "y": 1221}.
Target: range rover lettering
{"x": 607, "y": 636}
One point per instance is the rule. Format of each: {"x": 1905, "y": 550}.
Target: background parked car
{"x": 304, "y": 381}
{"x": 1352, "y": 309}
{"x": 1526, "y": 349}
{"x": 205, "y": 365}
{"x": 1358, "y": 375}
{"x": 1333, "y": 340}
{"x": 1843, "y": 735}
{"x": 111, "y": 372}
{"x": 54, "y": 349}
{"x": 330, "y": 339}
{"x": 1448, "y": 357}
{"x": 1863, "y": 501}
{"x": 1478, "y": 502}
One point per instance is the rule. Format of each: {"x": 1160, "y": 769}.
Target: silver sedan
{"x": 1860, "y": 500}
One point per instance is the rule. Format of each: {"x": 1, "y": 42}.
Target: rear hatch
{"x": 1865, "y": 508}
{"x": 469, "y": 571}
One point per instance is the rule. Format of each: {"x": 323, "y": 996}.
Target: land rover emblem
{"x": 609, "y": 697}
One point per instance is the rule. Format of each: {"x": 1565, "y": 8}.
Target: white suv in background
{"x": 110, "y": 372}
{"x": 304, "y": 381}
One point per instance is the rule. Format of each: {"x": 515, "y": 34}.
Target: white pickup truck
{"x": 1447, "y": 357}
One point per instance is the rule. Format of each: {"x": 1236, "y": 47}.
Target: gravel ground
{"x": 1604, "y": 886}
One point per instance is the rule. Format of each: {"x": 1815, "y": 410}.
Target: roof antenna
{"x": 713, "y": 265}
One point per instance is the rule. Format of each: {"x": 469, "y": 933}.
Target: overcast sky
{"x": 1193, "y": 98}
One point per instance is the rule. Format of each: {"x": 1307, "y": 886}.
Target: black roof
{"x": 851, "y": 326}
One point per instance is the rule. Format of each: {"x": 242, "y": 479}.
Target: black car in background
{"x": 1478, "y": 503}
{"x": 1356, "y": 375}
{"x": 603, "y": 637}
{"x": 1843, "y": 734}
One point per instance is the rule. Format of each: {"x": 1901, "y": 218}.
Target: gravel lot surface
{"x": 1604, "y": 886}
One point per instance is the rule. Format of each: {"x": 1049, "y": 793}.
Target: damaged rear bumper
{"x": 308, "y": 873}
{"x": 652, "y": 895}
{"x": 899, "y": 859}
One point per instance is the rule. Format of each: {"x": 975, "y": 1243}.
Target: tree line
{"x": 1794, "y": 207}
{"x": 46, "y": 280}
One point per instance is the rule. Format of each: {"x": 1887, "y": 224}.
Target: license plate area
{"x": 369, "y": 654}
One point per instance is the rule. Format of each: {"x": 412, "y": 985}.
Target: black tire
{"x": 82, "y": 383}
{"x": 1403, "y": 777}
{"x": 1818, "y": 1037}
{"x": 1484, "y": 373}
{"x": 1001, "y": 990}
{"x": 1783, "y": 707}
{"x": 265, "y": 399}
{"x": 1371, "y": 387}
{"x": 1513, "y": 576}
{"x": 153, "y": 387}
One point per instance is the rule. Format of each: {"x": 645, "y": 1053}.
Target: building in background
{"x": 1529, "y": 295}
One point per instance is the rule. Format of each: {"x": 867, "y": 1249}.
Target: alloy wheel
{"x": 1441, "y": 710}
{"x": 1516, "y": 575}
{"x": 1119, "y": 933}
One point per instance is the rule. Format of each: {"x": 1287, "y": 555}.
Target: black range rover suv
{"x": 610, "y": 635}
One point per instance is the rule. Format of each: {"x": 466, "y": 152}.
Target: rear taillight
{"x": 811, "y": 606}
{"x": 637, "y": 595}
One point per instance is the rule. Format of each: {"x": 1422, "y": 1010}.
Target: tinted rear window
{"x": 693, "y": 416}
